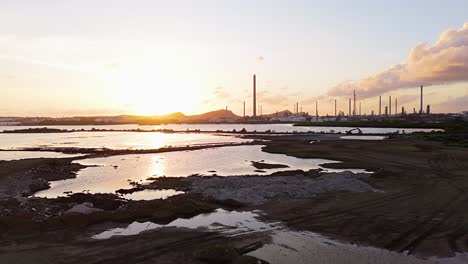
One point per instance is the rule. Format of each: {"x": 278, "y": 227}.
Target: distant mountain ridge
{"x": 217, "y": 114}
{"x": 222, "y": 115}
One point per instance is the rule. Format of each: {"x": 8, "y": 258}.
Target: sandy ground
{"x": 418, "y": 208}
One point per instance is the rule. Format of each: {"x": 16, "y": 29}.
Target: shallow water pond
{"x": 17, "y": 155}
{"x": 364, "y": 137}
{"x": 286, "y": 246}
{"x": 112, "y": 140}
{"x": 228, "y": 222}
{"x": 116, "y": 172}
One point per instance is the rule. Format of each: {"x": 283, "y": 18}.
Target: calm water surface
{"x": 364, "y": 137}
{"x": 17, "y": 155}
{"x": 111, "y": 140}
{"x": 227, "y": 222}
{"x": 286, "y": 246}
{"x": 116, "y": 172}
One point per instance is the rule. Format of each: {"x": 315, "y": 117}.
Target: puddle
{"x": 364, "y": 137}
{"x": 355, "y": 171}
{"x": 286, "y": 246}
{"x": 231, "y": 223}
{"x": 151, "y": 194}
{"x": 17, "y": 155}
{"x": 459, "y": 258}
{"x": 301, "y": 247}
{"x": 117, "y": 172}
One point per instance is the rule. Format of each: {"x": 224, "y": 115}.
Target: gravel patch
{"x": 259, "y": 189}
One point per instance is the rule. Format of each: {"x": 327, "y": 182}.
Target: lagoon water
{"x": 112, "y": 140}
{"x": 116, "y": 172}
{"x": 17, "y": 155}
{"x": 153, "y": 140}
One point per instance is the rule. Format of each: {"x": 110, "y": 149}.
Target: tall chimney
{"x": 316, "y": 108}
{"x": 335, "y": 107}
{"x": 349, "y": 113}
{"x": 254, "y": 96}
{"x": 244, "y": 108}
{"x": 354, "y": 104}
{"x": 390, "y": 105}
{"x": 396, "y": 106}
{"x": 360, "y": 108}
{"x": 421, "y": 108}
{"x": 380, "y": 105}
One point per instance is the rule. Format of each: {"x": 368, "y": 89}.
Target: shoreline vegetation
{"x": 44, "y": 130}
{"x": 388, "y": 124}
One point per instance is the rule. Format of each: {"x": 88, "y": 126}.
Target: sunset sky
{"x": 106, "y": 57}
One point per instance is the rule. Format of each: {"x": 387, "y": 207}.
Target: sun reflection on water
{"x": 158, "y": 166}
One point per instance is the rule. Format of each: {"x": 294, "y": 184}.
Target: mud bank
{"x": 102, "y": 152}
{"x": 22, "y": 178}
{"x": 255, "y": 190}
{"x": 419, "y": 212}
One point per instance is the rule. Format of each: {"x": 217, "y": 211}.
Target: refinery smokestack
{"x": 244, "y": 108}
{"x": 335, "y": 107}
{"x": 349, "y": 113}
{"x": 421, "y": 108}
{"x": 380, "y": 105}
{"x": 316, "y": 108}
{"x": 390, "y": 105}
{"x": 354, "y": 103}
{"x": 396, "y": 106}
{"x": 254, "y": 96}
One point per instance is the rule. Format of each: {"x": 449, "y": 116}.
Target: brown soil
{"x": 421, "y": 211}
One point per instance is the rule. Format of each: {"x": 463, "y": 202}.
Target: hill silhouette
{"x": 217, "y": 114}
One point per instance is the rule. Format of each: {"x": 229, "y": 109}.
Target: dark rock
{"x": 263, "y": 165}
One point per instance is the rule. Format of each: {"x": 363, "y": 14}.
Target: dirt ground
{"x": 419, "y": 211}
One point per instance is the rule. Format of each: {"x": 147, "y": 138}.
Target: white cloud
{"x": 445, "y": 62}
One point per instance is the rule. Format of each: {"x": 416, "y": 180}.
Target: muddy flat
{"x": 412, "y": 203}
{"x": 420, "y": 211}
